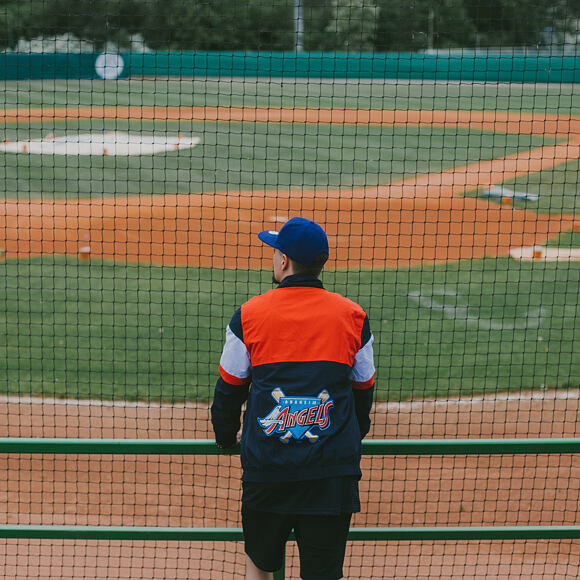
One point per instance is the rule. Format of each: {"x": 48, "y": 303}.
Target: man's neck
{"x": 300, "y": 280}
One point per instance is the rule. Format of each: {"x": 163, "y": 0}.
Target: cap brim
{"x": 269, "y": 237}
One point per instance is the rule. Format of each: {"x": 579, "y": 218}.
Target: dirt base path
{"x": 220, "y": 231}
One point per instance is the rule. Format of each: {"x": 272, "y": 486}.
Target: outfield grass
{"x": 112, "y": 331}
{"x": 401, "y": 94}
{"x": 246, "y": 156}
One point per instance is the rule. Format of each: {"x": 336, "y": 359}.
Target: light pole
{"x": 299, "y": 28}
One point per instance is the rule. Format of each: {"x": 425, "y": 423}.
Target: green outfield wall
{"x": 47, "y": 66}
{"x": 447, "y": 66}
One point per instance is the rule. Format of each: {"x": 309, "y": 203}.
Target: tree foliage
{"x": 219, "y": 25}
{"x": 353, "y": 24}
{"x": 343, "y": 25}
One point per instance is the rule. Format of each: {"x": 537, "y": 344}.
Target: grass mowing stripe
{"x": 135, "y": 332}
{"x": 315, "y": 93}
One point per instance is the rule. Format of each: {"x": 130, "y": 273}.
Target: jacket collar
{"x": 301, "y": 280}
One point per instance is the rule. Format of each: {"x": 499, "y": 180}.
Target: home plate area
{"x": 109, "y": 143}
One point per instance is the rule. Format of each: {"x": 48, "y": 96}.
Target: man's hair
{"x": 314, "y": 269}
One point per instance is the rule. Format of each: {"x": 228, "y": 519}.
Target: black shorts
{"x": 321, "y": 541}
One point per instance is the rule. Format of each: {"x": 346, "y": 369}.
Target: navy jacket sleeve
{"x": 363, "y": 401}
{"x": 232, "y": 387}
{"x": 226, "y": 411}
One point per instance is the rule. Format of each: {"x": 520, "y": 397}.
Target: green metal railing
{"x": 67, "y": 446}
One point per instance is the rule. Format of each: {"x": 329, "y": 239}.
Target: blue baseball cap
{"x": 300, "y": 239}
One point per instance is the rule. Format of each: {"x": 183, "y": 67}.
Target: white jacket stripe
{"x": 363, "y": 368}
{"x": 235, "y": 359}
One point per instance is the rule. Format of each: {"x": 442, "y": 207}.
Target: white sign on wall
{"x": 109, "y": 65}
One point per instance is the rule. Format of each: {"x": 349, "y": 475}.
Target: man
{"x": 308, "y": 355}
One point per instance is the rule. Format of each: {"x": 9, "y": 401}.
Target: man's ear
{"x": 285, "y": 262}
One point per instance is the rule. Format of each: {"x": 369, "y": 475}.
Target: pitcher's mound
{"x": 109, "y": 143}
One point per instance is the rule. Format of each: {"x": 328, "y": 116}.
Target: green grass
{"x": 98, "y": 330}
{"x": 475, "y": 327}
{"x": 247, "y": 156}
{"x": 378, "y": 94}
{"x": 140, "y": 332}
{"x": 113, "y": 331}
{"x": 567, "y": 239}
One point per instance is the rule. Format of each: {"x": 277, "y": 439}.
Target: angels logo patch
{"x": 296, "y": 416}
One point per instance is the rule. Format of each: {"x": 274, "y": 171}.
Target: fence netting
{"x": 145, "y": 143}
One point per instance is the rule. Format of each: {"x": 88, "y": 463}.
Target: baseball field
{"x": 454, "y": 218}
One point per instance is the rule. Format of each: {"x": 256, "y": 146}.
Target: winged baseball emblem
{"x": 295, "y": 416}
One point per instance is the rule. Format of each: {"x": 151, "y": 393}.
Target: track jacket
{"x": 308, "y": 355}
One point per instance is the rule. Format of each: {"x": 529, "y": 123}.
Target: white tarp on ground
{"x": 110, "y": 143}
{"x": 541, "y": 253}
{"x": 500, "y": 191}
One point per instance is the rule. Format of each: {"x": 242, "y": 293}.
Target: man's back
{"x": 300, "y": 421}
{"x": 302, "y": 323}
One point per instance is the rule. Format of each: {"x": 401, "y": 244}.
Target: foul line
{"x": 540, "y": 395}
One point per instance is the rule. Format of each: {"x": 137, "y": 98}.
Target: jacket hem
{"x": 263, "y": 476}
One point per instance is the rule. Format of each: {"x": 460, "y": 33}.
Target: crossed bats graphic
{"x": 278, "y": 395}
